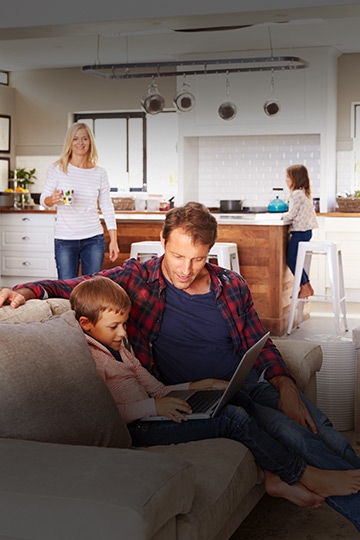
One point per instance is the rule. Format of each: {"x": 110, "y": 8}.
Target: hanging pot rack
{"x": 194, "y": 67}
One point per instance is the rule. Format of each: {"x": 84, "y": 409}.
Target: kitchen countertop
{"x": 268, "y": 218}
{"x": 226, "y": 219}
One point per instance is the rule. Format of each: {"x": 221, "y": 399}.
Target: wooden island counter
{"x": 261, "y": 243}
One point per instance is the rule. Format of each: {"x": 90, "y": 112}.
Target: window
{"x": 4, "y": 78}
{"x": 139, "y": 152}
{"x": 121, "y": 143}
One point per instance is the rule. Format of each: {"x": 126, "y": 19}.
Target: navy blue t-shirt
{"x": 194, "y": 341}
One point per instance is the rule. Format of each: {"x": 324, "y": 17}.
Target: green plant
{"x": 24, "y": 176}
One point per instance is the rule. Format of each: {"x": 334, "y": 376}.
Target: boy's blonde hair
{"x": 92, "y": 297}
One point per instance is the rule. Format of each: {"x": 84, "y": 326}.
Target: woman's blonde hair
{"x": 66, "y": 153}
{"x": 92, "y": 297}
{"x": 299, "y": 178}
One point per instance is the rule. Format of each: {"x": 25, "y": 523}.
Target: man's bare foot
{"x": 297, "y": 494}
{"x": 327, "y": 483}
{"x": 306, "y": 290}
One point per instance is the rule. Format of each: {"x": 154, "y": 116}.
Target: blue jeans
{"x": 326, "y": 450}
{"x": 233, "y": 423}
{"x": 70, "y": 253}
{"x": 292, "y": 249}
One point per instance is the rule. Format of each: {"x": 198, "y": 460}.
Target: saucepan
{"x": 231, "y": 205}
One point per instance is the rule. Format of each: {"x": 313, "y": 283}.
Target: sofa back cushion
{"x": 50, "y": 389}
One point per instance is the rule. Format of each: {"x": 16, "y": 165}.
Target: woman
{"x": 302, "y": 219}
{"x": 77, "y": 186}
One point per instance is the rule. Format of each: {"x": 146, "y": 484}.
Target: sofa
{"x": 68, "y": 471}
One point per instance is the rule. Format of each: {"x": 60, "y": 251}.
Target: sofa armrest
{"x": 356, "y": 341}
{"x": 304, "y": 359}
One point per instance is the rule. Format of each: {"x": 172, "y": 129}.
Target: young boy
{"x": 102, "y": 308}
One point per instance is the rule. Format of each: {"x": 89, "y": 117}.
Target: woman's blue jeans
{"x": 233, "y": 423}
{"x": 292, "y": 249}
{"x": 326, "y": 450}
{"x": 69, "y": 254}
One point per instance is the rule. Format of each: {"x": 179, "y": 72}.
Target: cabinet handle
{"x": 25, "y": 219}
{"x": 26, "y": 263}
{"x": 25, "y": 238}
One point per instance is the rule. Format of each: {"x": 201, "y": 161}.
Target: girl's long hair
{"x": 300, "y": 178}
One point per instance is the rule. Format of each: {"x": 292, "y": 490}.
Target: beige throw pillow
{"x": 50, "y": 389}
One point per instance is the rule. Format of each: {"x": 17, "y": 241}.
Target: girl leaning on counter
{"x": 77, "y": 187}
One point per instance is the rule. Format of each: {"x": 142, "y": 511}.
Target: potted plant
{"x": 25, "y": 177}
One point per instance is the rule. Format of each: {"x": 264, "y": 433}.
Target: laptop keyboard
{"x": 201, "y": 401}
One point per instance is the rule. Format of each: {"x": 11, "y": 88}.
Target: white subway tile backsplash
{"x": 248, "y": 167}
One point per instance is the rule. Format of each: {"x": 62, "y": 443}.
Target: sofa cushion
{"x": 50, "y": 389}
{"x": 57, "y": 492}
{"x": 225, "y": 473}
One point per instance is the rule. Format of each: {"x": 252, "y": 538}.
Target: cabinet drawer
{"x": 28, "y": 265}
{"x": 29, "y": 220}
{"x": 33, "y": 240}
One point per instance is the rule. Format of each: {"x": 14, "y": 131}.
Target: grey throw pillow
{"x": 50, "y": 389}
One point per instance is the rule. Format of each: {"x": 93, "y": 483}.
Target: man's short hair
{"x": 196, "y": 220}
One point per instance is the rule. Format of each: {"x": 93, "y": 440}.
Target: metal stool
{"x": 225, "y": 255}
{"x": 143, "y": 251}
{"x": 336, "y": 276}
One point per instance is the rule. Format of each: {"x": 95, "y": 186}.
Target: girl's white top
{"x": 301, "y": 215}
{"x": 91, "y": 192}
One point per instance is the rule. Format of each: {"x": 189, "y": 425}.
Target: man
{"x": 188, "y": 234}
{"x": 192, "y": 320}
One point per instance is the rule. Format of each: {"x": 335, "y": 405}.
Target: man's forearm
{"x": 28, "y": 294}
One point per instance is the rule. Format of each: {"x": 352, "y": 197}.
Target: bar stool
{"x": 225, "y": 254}
{"x": 143, "y": 251}
{"x": 336, "y": 276}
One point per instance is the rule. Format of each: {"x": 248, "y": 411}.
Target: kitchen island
{"x": 261, "y": 240}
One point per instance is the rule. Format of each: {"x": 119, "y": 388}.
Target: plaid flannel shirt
{"x": 145, "y": 284}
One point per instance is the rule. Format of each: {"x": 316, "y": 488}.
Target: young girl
{"x": 302, "y": 219}
{"x": 102, "y": 308}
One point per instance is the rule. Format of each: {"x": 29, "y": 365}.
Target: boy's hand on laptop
{"x": 174, "y": 408}
{"x": 209, "y": 384}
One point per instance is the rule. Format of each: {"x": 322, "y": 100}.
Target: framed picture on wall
{"x": 5, "y": 129}
{"x": 4, "y": 173}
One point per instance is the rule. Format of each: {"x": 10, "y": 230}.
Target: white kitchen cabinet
{"x": 344, "y": 231}
{"x": 27, "y": 245}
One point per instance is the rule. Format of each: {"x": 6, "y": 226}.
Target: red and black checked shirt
{"x": 145, "y": 284}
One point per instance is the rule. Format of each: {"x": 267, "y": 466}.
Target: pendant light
{"x": 184, "y": 101}
{"x": 227, "y": 110}
{"x": 271, "y": 106}
{"x": 153, "y": 102}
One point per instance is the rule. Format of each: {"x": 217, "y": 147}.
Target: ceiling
{"x": 162, "y": 31}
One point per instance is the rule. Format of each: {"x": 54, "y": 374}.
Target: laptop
{"x": 208, "y": 403}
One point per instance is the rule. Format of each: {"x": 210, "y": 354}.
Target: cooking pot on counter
{"x": 231, "y": 206}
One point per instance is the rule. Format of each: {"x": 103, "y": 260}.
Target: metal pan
{"x": 231, "y": 205}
